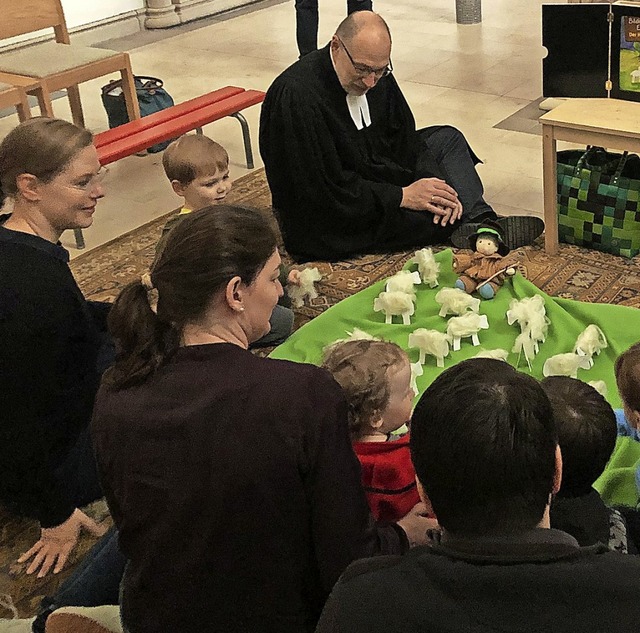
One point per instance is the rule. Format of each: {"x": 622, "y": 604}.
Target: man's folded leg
{"x": 447, "y": 154}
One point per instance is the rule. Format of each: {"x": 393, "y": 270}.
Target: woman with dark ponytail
{"x": 53, "y": 343}
{"x": 230, "y": 477}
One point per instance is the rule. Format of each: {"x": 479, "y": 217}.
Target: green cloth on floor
{"x": 568, "y": 318}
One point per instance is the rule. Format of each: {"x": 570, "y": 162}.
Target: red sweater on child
{"x": 388, "y": 477}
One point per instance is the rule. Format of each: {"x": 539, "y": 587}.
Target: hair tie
{"x": 146, "y": 281}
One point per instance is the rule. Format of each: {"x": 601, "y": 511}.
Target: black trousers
{"x": 444, "y": 154}
{"x": 307, "y": 21}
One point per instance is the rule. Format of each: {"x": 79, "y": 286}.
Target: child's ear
{"x": 376, "y": 420}
{"x": 634, "y": 419}
{"x": 178, "y": 188}
{"x": 557, "y": 476}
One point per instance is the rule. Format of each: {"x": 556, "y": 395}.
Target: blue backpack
{"x": 152, "y": 97}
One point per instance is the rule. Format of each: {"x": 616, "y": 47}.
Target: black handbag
{"x": 152, "y": 97}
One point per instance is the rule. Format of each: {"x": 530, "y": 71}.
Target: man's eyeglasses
{"x": 363, "y": 70}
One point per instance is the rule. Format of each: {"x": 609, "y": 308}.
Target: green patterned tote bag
{"x": 598, "y": 194}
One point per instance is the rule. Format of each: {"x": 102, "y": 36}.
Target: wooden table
{"x": 610, "y": 123}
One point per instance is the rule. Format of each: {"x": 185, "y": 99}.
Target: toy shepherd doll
{"x": 483, "y": 270}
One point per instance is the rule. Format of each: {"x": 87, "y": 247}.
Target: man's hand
{"x": 56, "y": 543}
{"x": 433, "y": 195}
{"x": 450, "y": 215}
{"x": 416, "y": 523}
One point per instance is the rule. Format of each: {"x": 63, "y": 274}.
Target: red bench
{"x": 135, "y": 136}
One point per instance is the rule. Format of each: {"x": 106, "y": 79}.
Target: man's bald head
{"x": 367, "y": 26}
{"x": 361, "y": 51}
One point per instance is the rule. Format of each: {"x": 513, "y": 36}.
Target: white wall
{"x": 79, "y": 12}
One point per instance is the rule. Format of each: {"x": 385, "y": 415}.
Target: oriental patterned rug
{"x": 574, "y": 273}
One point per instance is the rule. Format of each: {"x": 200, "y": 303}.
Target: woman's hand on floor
{"x": 56, "y": 543}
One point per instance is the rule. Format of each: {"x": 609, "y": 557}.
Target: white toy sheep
{"x": 394, "y": 304}
{"x": 355, "y": 335}
{"x": 565, "y": 365}
{"x": 416, "y": 370}
{"x": 428, "y": 267}
{"x": 456, "y": 301}
{"x": 531, "y": 316}
{"x": 468, "y": 324}
{"x": 497, "y": 354}
{"x": 520, "y": 310}
{"x": 297, "y": 294}
{"x": 524, "y": 343}
{"x": 360, "y": 335}
{"x": 600, "y": 386}
{"x": 430, "y": 342}
{"x": 590, "y": 341}
{"x": 403, "y": 281}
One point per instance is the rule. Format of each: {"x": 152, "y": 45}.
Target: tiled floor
{"x": 471, "y": 76}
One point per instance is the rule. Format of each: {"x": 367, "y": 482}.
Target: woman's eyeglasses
{"x": 88, "y": 184}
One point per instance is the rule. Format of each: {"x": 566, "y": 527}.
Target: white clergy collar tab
{"x": 359, "y": 110}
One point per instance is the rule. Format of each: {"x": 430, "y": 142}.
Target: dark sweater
{"x": 585, "y": 517}
{"x": 48, "y": 348}
{"x": 236, "y": 492}
{"x": 538, "y": 582}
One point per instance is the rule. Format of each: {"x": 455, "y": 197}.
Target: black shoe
{"x": 517, "y": 231}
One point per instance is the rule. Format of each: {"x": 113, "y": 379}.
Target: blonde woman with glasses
{"x": 54, "y": 344}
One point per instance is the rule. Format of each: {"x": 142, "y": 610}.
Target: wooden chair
{"x": 30, "y": 85}
{"x": 15, "y": 97}
{"x": 59, "y": 65}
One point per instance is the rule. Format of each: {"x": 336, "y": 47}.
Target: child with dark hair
{"x": 198, "y": 169}
{"x": 376, "y": 379}
{"x": 587, "y": 436}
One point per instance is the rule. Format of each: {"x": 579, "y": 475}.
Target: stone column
{"x": 160, "y": 14}
{"x": 468, "y": 11}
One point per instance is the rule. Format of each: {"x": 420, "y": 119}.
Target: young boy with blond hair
{"x": 376, "y": 379}
{"x": 198, "y": 169}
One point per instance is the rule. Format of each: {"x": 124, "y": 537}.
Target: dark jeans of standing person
{"x": 307, "y": 21}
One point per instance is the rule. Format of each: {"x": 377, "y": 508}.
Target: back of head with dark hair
{"x": 586, "y": 432}
{"x": 360, "y": 368}
{"x": 483, "y": 443}
{"x": 202, "y": 254}
{"x": 627, "y": 370}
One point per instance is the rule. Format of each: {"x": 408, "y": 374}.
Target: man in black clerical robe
{"x": 348, "y": 171}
